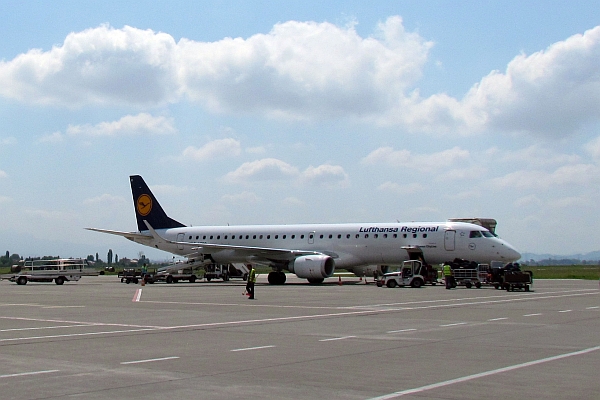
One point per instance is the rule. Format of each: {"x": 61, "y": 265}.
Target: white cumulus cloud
{"x": 215, "y": 149}
{"x": 141, "y": 124}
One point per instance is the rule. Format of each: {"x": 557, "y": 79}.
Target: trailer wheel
{"x": 478, "y": 285}
{"x": 192, "y": 278}
{"x": 59, "y": 281}
{"x": 391, "y": 283}
{"x": 468, "y": 285}
{"x": 135, "y": 281}
{"x": 208, "y": 279}
{"x": 169, "y": 279}
{"x": 527, "y": 288}
{"x": 22, "y": 280}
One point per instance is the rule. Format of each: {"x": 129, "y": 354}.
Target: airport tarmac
{"x": 102, "y": 339}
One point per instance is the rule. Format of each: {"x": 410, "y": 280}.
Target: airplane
{"x": 313, "y": 251}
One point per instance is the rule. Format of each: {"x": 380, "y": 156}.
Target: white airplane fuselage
{"x": 350, "y": 245}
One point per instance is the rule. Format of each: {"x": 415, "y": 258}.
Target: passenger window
{"x": 376, "y": 235}
{"x": 211, "y": 236}
{"x": 321, "y": 237}
{"x": 260, "y": 237}
{"x": 197, "y": 237}
{"x": 424, "y": 235}
{"x": 293, "y": 236}
{"x": 225, "y": 237}
{"x": 395, "y": 235}
{"x": 284, "y": 236}
{"x": 247, "y": 236}
{"x": 348, "y": 236}
{"x": 357, "y": 235}
{"x": 254, "y": 237}
{"x": 339, "y": 236}
{"x": 268, "y": 236}
{"x": 190, "y": 238}
{"x": 218, "y": 237}
{"x": 204, "y": 237}
{"x": 414, "y": 235}
{"x": 385, "y": 235}
{"x": 330, "y": 236}
{"x": 404, "y": 235}
{"x": 302, "y": 236}
{"x": 276, "y": 236}
{"x": 366, "y": 235}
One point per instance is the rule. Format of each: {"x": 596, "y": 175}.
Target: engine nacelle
{"x": 368, "y": 270}
{"x": 312, "y": 267}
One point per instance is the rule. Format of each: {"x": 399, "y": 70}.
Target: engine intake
{"x": 311, "y": 267}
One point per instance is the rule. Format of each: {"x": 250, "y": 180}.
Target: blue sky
{"x": 279, "y": 112}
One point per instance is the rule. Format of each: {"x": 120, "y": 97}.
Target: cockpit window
{"x": 487, "y": 234}
{"x": 475, "y": 234}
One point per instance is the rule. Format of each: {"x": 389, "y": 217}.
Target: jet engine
{"x": 312, "y": 267}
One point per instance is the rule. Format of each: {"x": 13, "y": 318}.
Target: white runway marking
{"x": 497, "y": 319}
{"x": 137, "y": 296}
{"x": 592, "y": 308}
{"x": 402, "y": 330}
{"x": 484, "y": 374}
{"x": 337, "y": 338}
{"x": 63, "y": 307}
{"x": 29, "y": 373}
{"x": 252, "y": 348}
{"x": 44, "y": 327}
{"x": 149, "y": 360}
{"x": 563, "y": 311}
{"x": 532, "y": 315}
{"x": 455, "y": 324}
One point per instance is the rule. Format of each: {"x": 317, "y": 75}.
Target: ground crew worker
{"x": 251, "y": 281}
{"x": 448, "y": 278}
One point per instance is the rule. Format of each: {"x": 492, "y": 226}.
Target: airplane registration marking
{"x": 253, "y": 348}
{"x": 149, "y": 360}
{"x": 484, "y": 374}
{"x": 50, "y": 371}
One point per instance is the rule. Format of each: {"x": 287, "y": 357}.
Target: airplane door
{"x": 311, "y": 237}
{"x": 449, "y": 237}
{"x": 180, "y": 238}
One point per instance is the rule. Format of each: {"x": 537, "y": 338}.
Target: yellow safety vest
{"x": 252, "y": 276}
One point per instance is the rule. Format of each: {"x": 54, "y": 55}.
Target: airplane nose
{"x": 510, "y": 253}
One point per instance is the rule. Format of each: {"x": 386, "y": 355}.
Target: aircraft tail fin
{"x": 147, "y": 207}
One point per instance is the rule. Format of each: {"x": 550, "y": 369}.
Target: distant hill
{"x": 589, "y": 258}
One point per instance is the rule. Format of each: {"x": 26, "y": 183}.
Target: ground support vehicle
{"x": 510, "y": 277}
{"x": 225, "y": 271}
{"x": 130, "y": 275}
{"x": 517, "y": 280}
{"x": 173, "y": 276}
{"x": 59, "y": 270}
{"x": 409, "y": 274}
{"x": 430, "y": 274}
{"x": 471, "y": 275}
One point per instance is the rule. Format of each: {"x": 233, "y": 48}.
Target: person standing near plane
{"x": 448, "y": 275}
{"x": 251, "y": 282}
